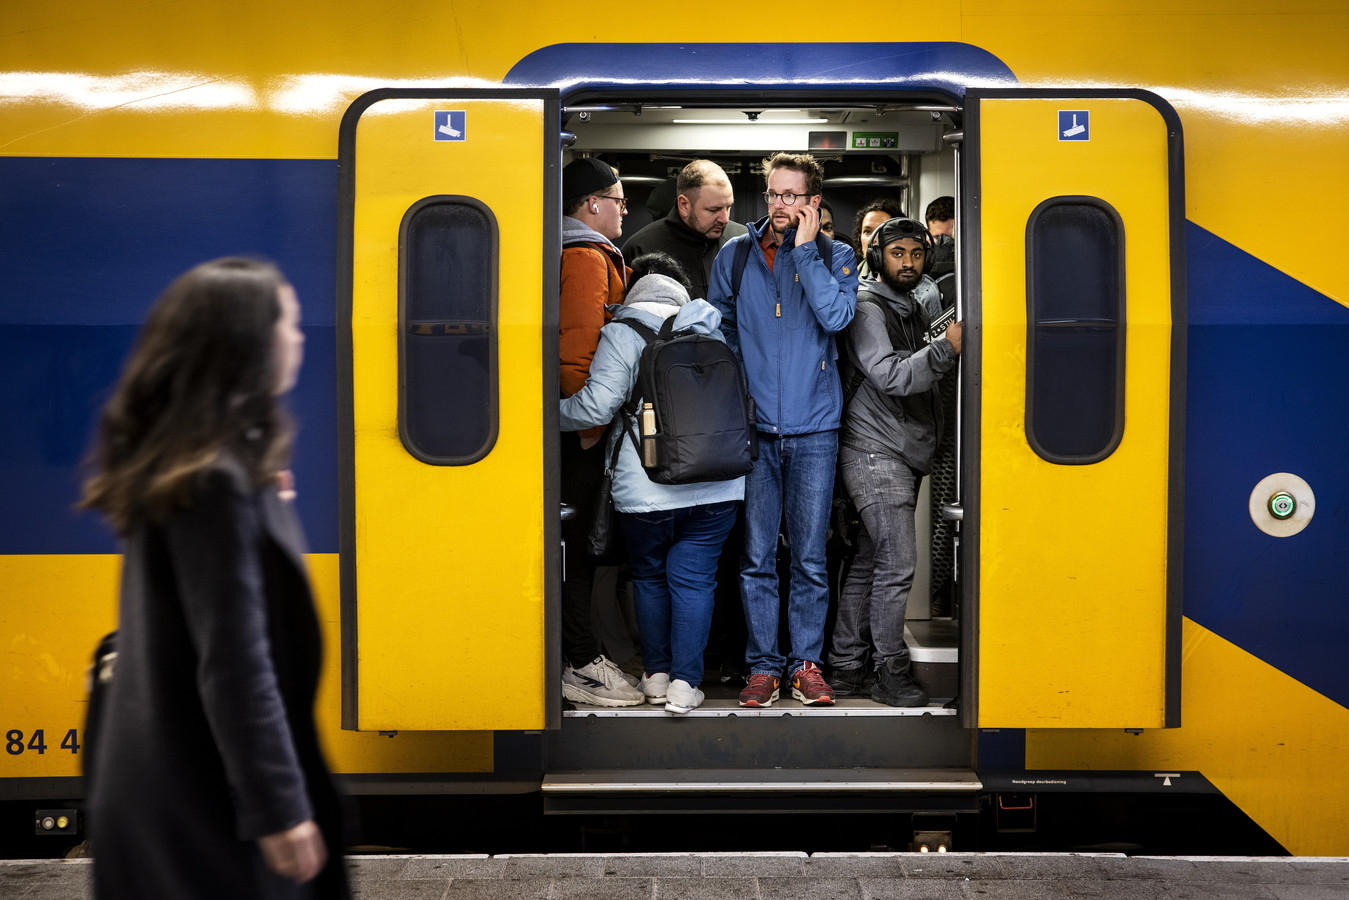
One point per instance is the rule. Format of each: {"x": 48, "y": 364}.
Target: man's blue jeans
{"x": 795, "y": 474}
{"x": 869, "y": 628}
{"x": 672, "y": 556}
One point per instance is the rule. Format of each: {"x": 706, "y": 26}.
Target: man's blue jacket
{"x": 782, "y": 327}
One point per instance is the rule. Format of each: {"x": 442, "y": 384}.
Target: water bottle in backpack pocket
{"x": 696, "y": 417}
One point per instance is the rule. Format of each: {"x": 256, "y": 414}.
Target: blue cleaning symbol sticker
{"x": 450, "y": 124}
{"x": 1074, "y": 125}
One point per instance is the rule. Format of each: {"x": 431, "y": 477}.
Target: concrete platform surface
{"x": 790, "y": 876}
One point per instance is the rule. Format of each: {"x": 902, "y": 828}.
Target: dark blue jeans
{"x": 672, "y": 557}
{"x": 871, "y": 606}
{"x": 794, "y": 473}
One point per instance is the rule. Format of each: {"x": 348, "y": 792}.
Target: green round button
{"x": 1282, "y": 505}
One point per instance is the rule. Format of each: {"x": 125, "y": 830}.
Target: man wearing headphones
{"x": 890, "y": 430}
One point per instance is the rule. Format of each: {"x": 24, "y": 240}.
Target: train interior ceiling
{"x": 906, "y": 154}
{"x": 905, "y": 150}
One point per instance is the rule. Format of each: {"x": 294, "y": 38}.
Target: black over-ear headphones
{"x": 892, "y": 230}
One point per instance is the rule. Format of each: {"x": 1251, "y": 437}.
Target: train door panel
{"x": 448, "y": 558}
{"x": 1076, "y": 409}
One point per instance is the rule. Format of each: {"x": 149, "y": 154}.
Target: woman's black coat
{"x": 208, "y": 741}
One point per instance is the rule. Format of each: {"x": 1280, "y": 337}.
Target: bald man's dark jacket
{"x": 693, "y": 251}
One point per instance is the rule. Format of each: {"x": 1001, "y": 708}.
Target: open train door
{"x": 1072, "y": 420}
{"x": 447, "y": 347}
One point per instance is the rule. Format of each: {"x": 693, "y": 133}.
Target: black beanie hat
{"x": 585, "y": 176}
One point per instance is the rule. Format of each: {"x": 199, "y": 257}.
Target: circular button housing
{"x": 1282, "y": 504}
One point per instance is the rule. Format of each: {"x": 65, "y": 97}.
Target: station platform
{"x": 799, "y": 876}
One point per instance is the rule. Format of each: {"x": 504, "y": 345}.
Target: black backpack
{"x": 703, "y": 414}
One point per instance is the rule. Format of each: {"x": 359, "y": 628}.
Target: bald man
{"x": 696, "y": 228}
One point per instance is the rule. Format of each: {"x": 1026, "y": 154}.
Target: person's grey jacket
{"x": 613, "y": 374}
{"x": 895, "y": 410}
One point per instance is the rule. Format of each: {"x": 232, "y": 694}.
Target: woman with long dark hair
{"x": 207, "y": 776}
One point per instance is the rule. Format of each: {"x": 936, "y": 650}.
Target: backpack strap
{"x": 628, "y": 411}
{"x": 825, "y": 245}
{"x": 855, "y": 375}
{"x": 896, "y": 328}
{"x": 738, "y": 263}
{"x": 647, "y": 334}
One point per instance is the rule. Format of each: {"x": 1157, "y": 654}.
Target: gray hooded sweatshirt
{"x": 895, "y": 411}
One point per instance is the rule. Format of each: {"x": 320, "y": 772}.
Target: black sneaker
{"x": 732, "y": 677}
{"x": 897, "y": 688}
{"x": 852, "y": 682}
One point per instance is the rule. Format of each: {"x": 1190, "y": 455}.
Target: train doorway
{"x": 899, "y": 152}
{"x": 1110, "y": 572}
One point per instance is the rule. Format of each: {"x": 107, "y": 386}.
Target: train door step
{"x": 766, "y": 790}
{"x": 784, "y": 706}
{"x": 934, "y": 647}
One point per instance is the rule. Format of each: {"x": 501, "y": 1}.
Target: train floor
{"x": 800, "y": 876}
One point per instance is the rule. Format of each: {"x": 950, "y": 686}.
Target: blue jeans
{"x": 794, "y": 473}
{"x": 672, "y": 557}
{"x": 872, "y": 604}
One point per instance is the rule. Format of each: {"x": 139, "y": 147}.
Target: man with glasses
{"x": 781, "y": 320}
{"x": 593, "y": 277}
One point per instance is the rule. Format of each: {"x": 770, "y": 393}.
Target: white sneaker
{"x": 599, "y": 683}
{"x": 654, "y": 687}
{"x": 613, "y": 666}
{"x": 682, "y": 697}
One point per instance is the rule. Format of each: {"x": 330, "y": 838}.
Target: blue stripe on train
{"x": 88, "y": 245}
{"x": 1264, "y": 398}
{"x": 90, "y": 242}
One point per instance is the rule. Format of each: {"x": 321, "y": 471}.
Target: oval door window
{"x": 447, "y": 330}
{"x": 1075, "y": 330}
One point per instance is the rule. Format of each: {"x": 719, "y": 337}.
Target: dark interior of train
{"x": 899, "y": 148}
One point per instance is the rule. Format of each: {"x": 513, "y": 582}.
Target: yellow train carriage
{"x": 1133, "y": 615}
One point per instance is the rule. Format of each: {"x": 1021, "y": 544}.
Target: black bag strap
{"x": 618, "y": 445}
{"x": 896, "y": 328}
{"x": 738, "y": 263}
{"x": 823, "y": 243}
{"x": 628, "y": 411}
{"x": 645, "y": 331}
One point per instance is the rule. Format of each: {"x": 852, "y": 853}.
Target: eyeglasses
{"x": 621, "y": 201}
{"x": 785, "y": 199}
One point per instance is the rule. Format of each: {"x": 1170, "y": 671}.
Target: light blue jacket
{"x": 782, "y": 327}
{"x": 613, "y": 373}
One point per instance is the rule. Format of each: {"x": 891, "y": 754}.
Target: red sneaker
{"x": 761, "y": 691}
{"x": 809, "y": 686}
